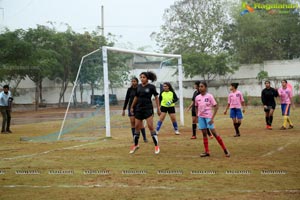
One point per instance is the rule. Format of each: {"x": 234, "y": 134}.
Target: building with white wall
{"x": 246, "y": 76}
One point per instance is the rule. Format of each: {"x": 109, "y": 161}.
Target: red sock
{"x": 219, "y": 139}
{"x": 205, "y": 142}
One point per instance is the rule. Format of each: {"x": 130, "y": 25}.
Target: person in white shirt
{"x": 5, "y": 109}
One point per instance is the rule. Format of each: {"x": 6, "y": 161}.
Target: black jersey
{"x": 196, "y": 93}
{"x": 268, "y": 96}
{"x": 144, "y": 94}
{"x": 131, "y": 92}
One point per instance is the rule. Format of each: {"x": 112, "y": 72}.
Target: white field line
{"x": 277, "y": 150}
{"x": 145, "y": 188}
{"x": 49, "y": 151}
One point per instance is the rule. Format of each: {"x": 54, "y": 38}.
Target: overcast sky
{"x": 135, "y": 20}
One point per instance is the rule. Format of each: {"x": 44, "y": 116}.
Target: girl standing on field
{"x": 286, "y": 100}
{"x": 194, "y": 114}
{"x": 167, "y": 99}
{"x": 204, "y": 103}
{"x": 131, "y": 91}
{"x": 236, "y": 103}
{"x": 144, "y": 109}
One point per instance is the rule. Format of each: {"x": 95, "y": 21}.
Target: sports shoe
{"x": 205, "y": 154}
{"x": 157, "y": 150}
{"x": 269, "y": 127}
{"x": 237, "y": 135}
{"x": 227, "y": 154}
{"x": 9, "y": 131}
{"x": 291, "y": 126}
{"x": 194, "y": 137}
{"x": 177, "y": 132}
{"x": 282, "y": 128}
{"x": 134, "y": 148}
{"x": 145, "y": 140}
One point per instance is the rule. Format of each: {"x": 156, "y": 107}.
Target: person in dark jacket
{"x": 268, "y": 96}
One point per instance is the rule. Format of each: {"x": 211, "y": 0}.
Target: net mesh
{"x": 85, "y": 117}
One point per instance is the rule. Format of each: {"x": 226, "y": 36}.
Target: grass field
{"x": 264, "y": 164}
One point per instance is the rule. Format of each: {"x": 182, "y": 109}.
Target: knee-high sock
{"x": 236, "y": 127}
{"x": 271, "y": 120}
{"x": 158, "y": 126}
{"x": 194, "y": 129}
{"x": 144, "y": 133}
{"x": 175, "y": 125}
{"x": 285, "y": 121}
{"x": 289, "y": 121}
{"x": 220, "y": 141}
{"x": 268, "y": 121}
{"x": 155, "y": 138}
{"x": 136, "y": 138}
{"x": 205, "y": 142}
{"x": 132, "y": 131}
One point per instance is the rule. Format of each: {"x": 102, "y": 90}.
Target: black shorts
{"x": 269, "y": 107}
{"x": 143, "y": 114}
{"x": 169, "y": 110}
{"x": 194, "y": 114}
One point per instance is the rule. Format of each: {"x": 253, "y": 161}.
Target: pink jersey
{"x": 204, "y": 104}
{"x": 235, "y": 99}
{"x": 285, "y": 95}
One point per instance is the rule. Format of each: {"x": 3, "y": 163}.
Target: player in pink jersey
{"x": 235, "y": 103}
{"x": 204, "y": 103}
{"x": 286, "y": 101}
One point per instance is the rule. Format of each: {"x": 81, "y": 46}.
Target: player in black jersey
{"x": 131, "y": 91}
{"x": 268, "y": 99}
{"x": 144, "y": 109}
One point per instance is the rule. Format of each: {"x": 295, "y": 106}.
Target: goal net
{"x": 95, "y": 104}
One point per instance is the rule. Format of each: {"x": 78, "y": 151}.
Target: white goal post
{"x": 106, "y": 81}
{"x": 105, "y": 49}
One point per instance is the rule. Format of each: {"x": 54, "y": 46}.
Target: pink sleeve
{"x": 242, "y": 97}
{"x": 213, "y": 101}
{"x": 279, "y": 90}
{"x": 291, "y": 94}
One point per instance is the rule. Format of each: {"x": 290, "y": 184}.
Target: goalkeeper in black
{"x": 268, "y": 95}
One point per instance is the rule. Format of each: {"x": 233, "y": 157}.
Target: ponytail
{"x": 150, "y": 75}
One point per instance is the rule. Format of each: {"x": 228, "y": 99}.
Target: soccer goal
{"x": 96, "y": 97}
{"x": 105, "y": 50}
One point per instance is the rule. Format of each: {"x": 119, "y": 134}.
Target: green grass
{"x": 256, "y": 150}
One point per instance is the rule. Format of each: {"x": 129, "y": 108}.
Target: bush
{"x": 296, "y": 99}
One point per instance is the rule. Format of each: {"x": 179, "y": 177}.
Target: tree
{"x": 263, "y": 35}
{"x": 43, "y": 57}
{"x": 13, "y": 58}
{"x": 62, "y": 43}
{"x": 262, "y": 75}
{"x": 193, "y": 26}
{"x": 207, "y": 66}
